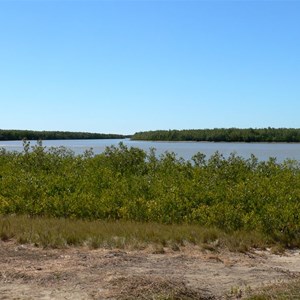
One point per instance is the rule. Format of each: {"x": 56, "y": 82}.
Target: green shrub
{"x": 127, "y": 183}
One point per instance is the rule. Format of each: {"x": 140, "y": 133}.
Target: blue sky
{"x": 127, "y": 66}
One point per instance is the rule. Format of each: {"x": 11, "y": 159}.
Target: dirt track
{"x": 27, "y": 272}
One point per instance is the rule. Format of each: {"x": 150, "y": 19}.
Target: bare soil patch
{"x": 27, "y": 272}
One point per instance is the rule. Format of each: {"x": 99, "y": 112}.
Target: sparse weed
{"x": 281, "y": 291}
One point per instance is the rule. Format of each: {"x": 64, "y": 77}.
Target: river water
{"x": 185, "y": 150}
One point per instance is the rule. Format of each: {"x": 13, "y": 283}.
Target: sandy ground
{"x": 27, "y": 272}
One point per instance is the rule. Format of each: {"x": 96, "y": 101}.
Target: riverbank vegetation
{"x": 127, "y": 184}
{"x": 14, "y": 135}
{"x": 270, "y": 135}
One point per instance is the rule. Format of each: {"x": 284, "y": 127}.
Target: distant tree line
{"x": 9, "y": 135}
{"x": 223, "y": 135}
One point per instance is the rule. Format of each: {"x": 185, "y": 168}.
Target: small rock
{"x": 20, "y": 248}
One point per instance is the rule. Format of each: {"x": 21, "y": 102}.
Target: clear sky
{"x": 127, "y": 66}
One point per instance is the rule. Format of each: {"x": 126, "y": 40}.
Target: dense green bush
{"x": 127, "y": 183}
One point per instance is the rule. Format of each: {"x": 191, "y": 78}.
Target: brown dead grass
{"x": 155, "y": 287}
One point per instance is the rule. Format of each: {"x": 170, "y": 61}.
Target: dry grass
{"x": 60, "y": 233}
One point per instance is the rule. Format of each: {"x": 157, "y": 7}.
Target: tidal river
{"x": 185, "y": 150}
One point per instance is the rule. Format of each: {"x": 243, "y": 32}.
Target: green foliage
{"x": 223, "y": 135}
{"x": 231, "y": 194}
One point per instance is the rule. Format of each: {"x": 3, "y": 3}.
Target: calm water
{"x": 183, "y": 149}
